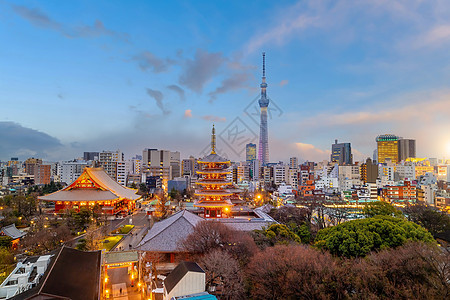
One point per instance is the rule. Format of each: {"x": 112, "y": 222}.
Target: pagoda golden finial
{"x": 213, "y": 141}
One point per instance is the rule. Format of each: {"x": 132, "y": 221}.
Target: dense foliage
{"x": 381, "y": 208}
{"x": 431, "y": 218}
{"x": 360, "y": 237}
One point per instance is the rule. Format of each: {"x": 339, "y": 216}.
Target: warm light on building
{"x": 387, "y": 147}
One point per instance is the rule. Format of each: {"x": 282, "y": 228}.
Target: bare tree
{"x": 223, "y": 275}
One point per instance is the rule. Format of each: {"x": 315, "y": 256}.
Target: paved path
{"x": 140, "y": 221}
{"x": 119, "y": 291}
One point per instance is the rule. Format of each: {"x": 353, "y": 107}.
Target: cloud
{"x": 97, "y": 30}
{"x": 17, "y": 140}
{"x": 284, "y": 82}
{"x": 289, "y": 24}
{"x": 232, "y": 83}
{"x": 311, "y": 152}
{"x": 40, "y": 19}
{"x": 200, "y": 70}
{"x": 178, "y": 90}
{"x": 212, "y": 118}
{"x": 148, "y": 61}
{"x": 188, "y": 113}
{"x": 437, "y": 35}
{"x": 158, "y": 96}
{"x": 406, "y": 109}
{"x": 37, "y": 17}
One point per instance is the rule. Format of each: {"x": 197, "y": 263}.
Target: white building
{"x": 293, "y": 178}
{"x": 186, "y": 279}
{"x": 68, "y": 171}
{"x": 25, "y": 276}
{"x": 280, "y": 174}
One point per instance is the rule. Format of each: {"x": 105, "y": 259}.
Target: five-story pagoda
{"x": 212, "y": 193}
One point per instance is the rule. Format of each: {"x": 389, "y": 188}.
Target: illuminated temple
{"x": 212, "y": 194}
{"x": 94, "y": 187}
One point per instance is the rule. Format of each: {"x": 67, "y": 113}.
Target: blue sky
{"x": 104, "y": 75}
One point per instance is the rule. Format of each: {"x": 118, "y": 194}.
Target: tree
{"x": 223, "y": 273}
{"x": 161, "y": 210}
{"x": 44, "y": 239}
{"x": 6, "y": 257}
{"x": 143, "y": 188}
{"x": 413, "y": 271}
{"x": 381, "y": 208}
{"x": 359, "y": 237}
{"x": 93, "y": 238}
{"x": 280, "y": 234}
{"x": 5, "y": 242}
{"x": 432, "y": 219}
{"x": 210, "y": 235}
{"x": 286, "y": 215}
{"x": 291, "y": 272}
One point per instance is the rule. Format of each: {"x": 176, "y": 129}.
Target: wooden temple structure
{"x": 94, "y": 187}
{"x": 212, "y": 194}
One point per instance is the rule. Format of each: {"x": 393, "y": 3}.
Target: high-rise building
{"x": 387, "y": 148}
{"x": 250, "y": 152}
{"x": 406, "y": 149}
{"x": 90, "y": 156}
{"x": 263, "y": 152}
{"x": 162, "y": 163}
{"x": 31, "y": 165}
{"x": 369, "y": 172}
{"x": 293, "y": 163}
{"x": 69, "y": 171}
{"x": 108, "y": 161}
{"x": 341, "y": 153}
{"x": 42, "y": 174}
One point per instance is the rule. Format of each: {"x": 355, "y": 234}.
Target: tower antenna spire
{"x": 264, "y": 64}
{"x": 213, "y": 141}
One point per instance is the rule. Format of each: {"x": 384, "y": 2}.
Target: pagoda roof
{"x": 205, "y": 182}
{"x": 213, "y": 157}
{"x": 213, "y": 193}
{"x": 213, "y": 204}
{"x": 224, "y": 171}
{"x": 92, "y": 185}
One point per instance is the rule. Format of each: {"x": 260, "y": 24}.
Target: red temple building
{"x": 212, "y": 194}
{"x": 94, "y": 187}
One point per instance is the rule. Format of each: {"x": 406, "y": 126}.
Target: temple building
{"x": 94, "y": 187}
{"x": 212, "y": 193}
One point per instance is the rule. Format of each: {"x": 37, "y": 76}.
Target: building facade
{"x": 341, "y": 153}
{"x": 387, "y": 148}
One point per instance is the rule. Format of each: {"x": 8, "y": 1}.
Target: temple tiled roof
{"x": 12, "y": 232}
{"x": 166, "y": 235}
{"x": 106, "y": 189}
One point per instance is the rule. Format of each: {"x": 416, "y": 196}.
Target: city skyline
{"x": 158, "y": 75}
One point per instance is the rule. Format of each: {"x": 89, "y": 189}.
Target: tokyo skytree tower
{"x": 263, "y": 151}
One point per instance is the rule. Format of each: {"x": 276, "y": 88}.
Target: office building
{"x": 387, "y": 148}
{"x": 162, "y": 163}
{"x": 90, "y": 156}
{"x": 250, "y": 152}
{"x": 341, "y": 153}
{"x": 406, "y": 149}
